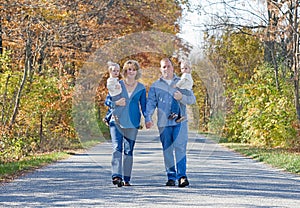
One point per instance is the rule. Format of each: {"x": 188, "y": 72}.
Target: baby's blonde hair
{"x": 111, "y": 65}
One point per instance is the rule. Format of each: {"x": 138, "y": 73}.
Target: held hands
{"x": 149, "y": 124}
{"x": 121, "y": 102}
{"x": 177, "y": 95}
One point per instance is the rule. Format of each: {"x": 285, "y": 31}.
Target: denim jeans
{"x": 174, "y": 141}
{"x": 123, "y": 141}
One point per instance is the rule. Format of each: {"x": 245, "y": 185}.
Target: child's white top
{"x": 185, "y": 82}
{"x": 112, "y": 86}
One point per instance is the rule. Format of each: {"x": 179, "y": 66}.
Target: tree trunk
{"x": 41, "y": 130}
{"x": 270, "y": 49}
{"x": 1, "y": 44}
{"x": 27, "y": 69}
{"x": 3, "y": 116}
{"x": 296, "y": 60}
{"x": 42, "y": 54}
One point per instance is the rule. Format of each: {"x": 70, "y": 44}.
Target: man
{"x": 173, "y": 135}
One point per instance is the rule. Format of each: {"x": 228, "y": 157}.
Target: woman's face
{"x": 131, "y": 72}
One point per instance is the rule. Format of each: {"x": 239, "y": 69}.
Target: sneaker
{"x": 117, "y": 181}
{"x": 180, "y": 119}
{"x": 170, "y": 183}
{"x": 172, "y": 116}
{"x": 183, "y": 182}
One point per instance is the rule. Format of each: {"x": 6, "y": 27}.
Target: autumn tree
{"x": 277, "y": 24}
{"x": 45, "y": 45}
{"x": 255, "y": 103}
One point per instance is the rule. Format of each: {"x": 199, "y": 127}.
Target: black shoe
{"x": 117, "y": 181}
{"x": 126, "y": 184}
{"x": 183, "y": 182}
{"x": 105, "y": 121}
{"x": 170, "y": 183}
{"x": 172, "y": 116}
{"x": 180, "y": 119}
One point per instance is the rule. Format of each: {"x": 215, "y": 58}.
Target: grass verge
{"x": 279, "y": 158}
{"x": 11, "y": 170}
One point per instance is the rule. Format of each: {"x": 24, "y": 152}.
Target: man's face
{"x": 166, "y": 69}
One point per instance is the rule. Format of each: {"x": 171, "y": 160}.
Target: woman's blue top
{"x": 135, "y": 105}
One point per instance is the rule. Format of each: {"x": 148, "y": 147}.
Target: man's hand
{"x": 177, "y": 95}
{"x": 121, "y": 102}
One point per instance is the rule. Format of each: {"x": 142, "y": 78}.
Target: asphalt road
{"x": 218, "y": 178}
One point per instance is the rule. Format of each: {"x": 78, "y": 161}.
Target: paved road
{"x": 218, "y": 177}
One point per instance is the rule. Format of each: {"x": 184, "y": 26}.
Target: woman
{"x": 124, "y": 128}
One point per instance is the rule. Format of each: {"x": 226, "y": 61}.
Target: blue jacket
{"x": 135, "y": 104}
{"x": 160, "y": 96}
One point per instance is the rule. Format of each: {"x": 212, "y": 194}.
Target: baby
{"x": 184, "y": 85}
{"x": 114, "y": 87}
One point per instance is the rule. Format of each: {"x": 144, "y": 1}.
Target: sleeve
{"x": 110, "y": 84}
{"x": 189, "y": 98}
{"x": 151, "y": 104}
{"x": 180, "y": 83}
{"x": 185, "y": 82}
{"x": 143, "y": 102}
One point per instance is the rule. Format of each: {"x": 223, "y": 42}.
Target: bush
{"x": 262, "y": 114}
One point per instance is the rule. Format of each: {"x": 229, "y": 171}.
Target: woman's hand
{"x": 121, "y": 102}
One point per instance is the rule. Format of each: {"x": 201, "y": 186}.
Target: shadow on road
{"x": 218, "y": 177}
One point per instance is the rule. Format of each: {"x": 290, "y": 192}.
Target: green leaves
{"x": 262, "y": 115}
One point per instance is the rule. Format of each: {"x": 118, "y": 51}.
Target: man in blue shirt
{"x": 173, "y": 135}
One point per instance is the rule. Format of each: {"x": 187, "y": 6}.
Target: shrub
{"x": 262, "y": 114}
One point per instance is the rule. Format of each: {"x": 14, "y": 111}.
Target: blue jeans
{"x": 175, "y": 107}
{"x": 122, "y": 140}
{"x": 174, "y": 141}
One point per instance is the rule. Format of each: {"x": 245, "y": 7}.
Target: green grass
{"x": 276, "y": 157}
{"x": 11, "y": 170}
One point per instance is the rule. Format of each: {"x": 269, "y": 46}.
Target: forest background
{"x": 246, "y": 79}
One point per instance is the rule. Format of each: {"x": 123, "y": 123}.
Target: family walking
{"x": 127, "y": 102}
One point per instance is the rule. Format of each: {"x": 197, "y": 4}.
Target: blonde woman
{"x": 124, "y": 131}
